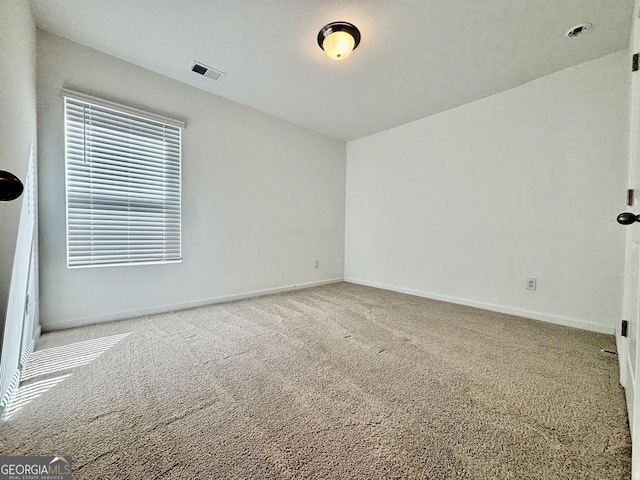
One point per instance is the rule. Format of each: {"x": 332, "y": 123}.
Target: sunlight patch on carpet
{"x": 50, "y": 361}
{"x": 28, "y": 393}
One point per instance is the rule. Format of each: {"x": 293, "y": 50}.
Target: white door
{"x": 18, "y": 336}
{"x": 627, "y": 342}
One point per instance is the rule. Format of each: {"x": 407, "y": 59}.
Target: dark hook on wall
{"x": 10, "y": 186}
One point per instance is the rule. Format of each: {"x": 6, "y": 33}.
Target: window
{"x": 123, "y": 184}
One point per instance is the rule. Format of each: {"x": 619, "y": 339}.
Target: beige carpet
{"x": 335, "y": 382}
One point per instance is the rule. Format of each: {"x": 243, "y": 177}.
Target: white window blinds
{"x": 123, "y": 184}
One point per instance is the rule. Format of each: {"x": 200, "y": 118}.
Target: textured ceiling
{"x": 416, "y": 58}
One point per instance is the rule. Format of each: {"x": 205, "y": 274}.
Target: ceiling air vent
{"x": 208, "y": 72}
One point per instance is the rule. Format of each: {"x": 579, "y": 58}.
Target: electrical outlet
{"x": 532, "y": 283}
{"x": 316, "y": 263}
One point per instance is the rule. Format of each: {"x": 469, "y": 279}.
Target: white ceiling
{"x": 416, "y": 58}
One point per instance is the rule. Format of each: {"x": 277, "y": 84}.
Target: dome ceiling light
{"x": 578, "y": 30}
{"x": 10, "y": 186}
{"x": 338, "y": 39}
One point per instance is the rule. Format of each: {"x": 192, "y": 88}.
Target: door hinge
{"x": 630, "y": 197}
{"x": 625, "y": 328}
{"x": 635, "y": 66}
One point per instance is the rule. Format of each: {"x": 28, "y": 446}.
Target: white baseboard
{"x": 558, "y": 320}
{"x": 37, "y": 333}
{"x": 79, "y": 322}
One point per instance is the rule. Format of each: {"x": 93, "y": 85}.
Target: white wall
{"x": 262, "y": 198}
{"x": 17, "y": 135}
{"x": 17, "y": 121}
{"x": 466, "y": 204}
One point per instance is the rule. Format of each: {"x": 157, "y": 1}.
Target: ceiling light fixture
{"x": 10, "y": 186}
{"x": 578, "y": 29}
{"x": 338, "y": 39}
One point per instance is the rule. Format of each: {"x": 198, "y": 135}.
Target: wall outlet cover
{"x": 532, "y": 283}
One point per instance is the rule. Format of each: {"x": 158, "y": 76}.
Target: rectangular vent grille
{"x": 208, "y": 72}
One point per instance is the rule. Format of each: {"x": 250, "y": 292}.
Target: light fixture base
{"x": 10, "y": 186}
